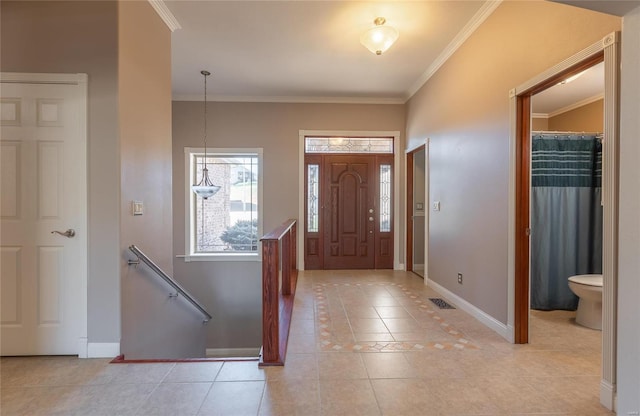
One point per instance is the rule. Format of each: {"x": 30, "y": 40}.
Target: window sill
{"x": 221, "y": 257}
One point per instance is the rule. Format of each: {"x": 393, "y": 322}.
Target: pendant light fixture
{"x": 379, "y": 38}
{"x": 205, "y": 188}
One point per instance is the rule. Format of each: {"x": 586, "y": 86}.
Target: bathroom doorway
{"x": 606, "y": 50}
{"x": 567, "y": 121}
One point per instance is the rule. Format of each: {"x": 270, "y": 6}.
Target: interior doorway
{"x": 44, "y": 214}
{"x": 417, "y": 211}
{"x": 607, "y": 51}
{"x": 566, "y": 201}
{"x": 523, "y": 192}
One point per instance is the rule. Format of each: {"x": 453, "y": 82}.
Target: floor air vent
{"x": 441, "y": 303}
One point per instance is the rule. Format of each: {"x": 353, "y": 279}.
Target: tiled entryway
{"x": 362, "y": 343}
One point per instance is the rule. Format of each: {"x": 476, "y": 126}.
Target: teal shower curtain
{"x": 566, "y": 215}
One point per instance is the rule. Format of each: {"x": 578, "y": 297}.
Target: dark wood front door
{"x": 352, "y": 232}
{"x": 349, "y": 212}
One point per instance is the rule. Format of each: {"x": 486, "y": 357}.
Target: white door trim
{"x": 610, "y": 45}
{"x": 81, "y": 81}
{"x": 397, "y": 158}
{"x": 37, "y": 78}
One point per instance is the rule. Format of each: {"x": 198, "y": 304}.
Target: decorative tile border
{"x": 323, "y": 322}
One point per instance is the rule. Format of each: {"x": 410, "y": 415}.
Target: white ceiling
{"x": 586, "y": 88}
{"x": 310, "y": 50}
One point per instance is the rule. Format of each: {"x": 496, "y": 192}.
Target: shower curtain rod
{"x": 597, "y": 133}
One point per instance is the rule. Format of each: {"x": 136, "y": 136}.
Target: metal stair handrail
{"x": 146, "y": 260}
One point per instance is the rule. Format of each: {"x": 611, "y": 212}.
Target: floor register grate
{"x": 441, "y": 303}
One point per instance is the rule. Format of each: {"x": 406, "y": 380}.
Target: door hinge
{"x": 527, "y": 231}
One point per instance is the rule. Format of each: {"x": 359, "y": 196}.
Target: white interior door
{"x": 44, "y": 189}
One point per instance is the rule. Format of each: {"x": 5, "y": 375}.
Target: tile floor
{"x": 362, "y": 343}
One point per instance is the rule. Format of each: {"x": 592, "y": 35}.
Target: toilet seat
{"x": 587, "y": 279}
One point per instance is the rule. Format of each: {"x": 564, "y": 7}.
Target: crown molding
{"x": 481, "y": 15}
{"x": 539, "y": 115}
{"x": 289, "y": 99}
{"x": 43, "y": 78}
{"x": 575, "y": 105}
{"x": 165, "y": 14}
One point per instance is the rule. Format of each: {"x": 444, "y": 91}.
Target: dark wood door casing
{"x": 523, "y": 189}
{"x": 523, "y": 168}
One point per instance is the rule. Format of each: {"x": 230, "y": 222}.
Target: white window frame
{"x": 190, "y": 201}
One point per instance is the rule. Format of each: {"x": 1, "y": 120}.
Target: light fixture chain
{"x": 205, "y": 188}
{"x": 205, "y": 120}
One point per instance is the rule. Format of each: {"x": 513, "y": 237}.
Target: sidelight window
{"x": 313, "y": 190}
{"x": 385, "y": 198}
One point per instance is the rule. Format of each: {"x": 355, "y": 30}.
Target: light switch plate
{"x": 137, "y": 207}
{"x": 436, "y": 206}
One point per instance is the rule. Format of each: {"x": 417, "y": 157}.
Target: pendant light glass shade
{"x": 379, "y": 38}
{"x": 205, "y": 188}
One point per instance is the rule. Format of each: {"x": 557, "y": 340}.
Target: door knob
{"x": 69, "y": 233}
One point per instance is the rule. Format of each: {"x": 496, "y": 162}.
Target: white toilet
{"x": 588, "y": 287}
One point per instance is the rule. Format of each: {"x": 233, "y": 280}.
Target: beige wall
{"x": 153, "y": 326}
{"x": 125, "y": 48}
{"x": 81, "y": 37}
{"x": 629, "y": 238}
{"x": 589, "y": 118}
{"x": 464, "y": 110}
{"x": 144, "y": 92}
{"x": 539, "y": 124}
{"x": 233, "y": 290}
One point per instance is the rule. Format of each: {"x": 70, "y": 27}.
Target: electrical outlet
{"x": 460, "y": 278}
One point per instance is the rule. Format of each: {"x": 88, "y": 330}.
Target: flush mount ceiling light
{"x": 205, "y": 188}
{"x": 379, "y": 38}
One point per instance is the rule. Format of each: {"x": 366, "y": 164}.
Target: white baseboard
{"x": 398, "y": 266}
{"x": 503, "y": 330}
{"x": 607, "y": 395}
{"x": 83, "y": 347}
{"x": 232, "y": 352}
{"x": 103, "y": 349}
